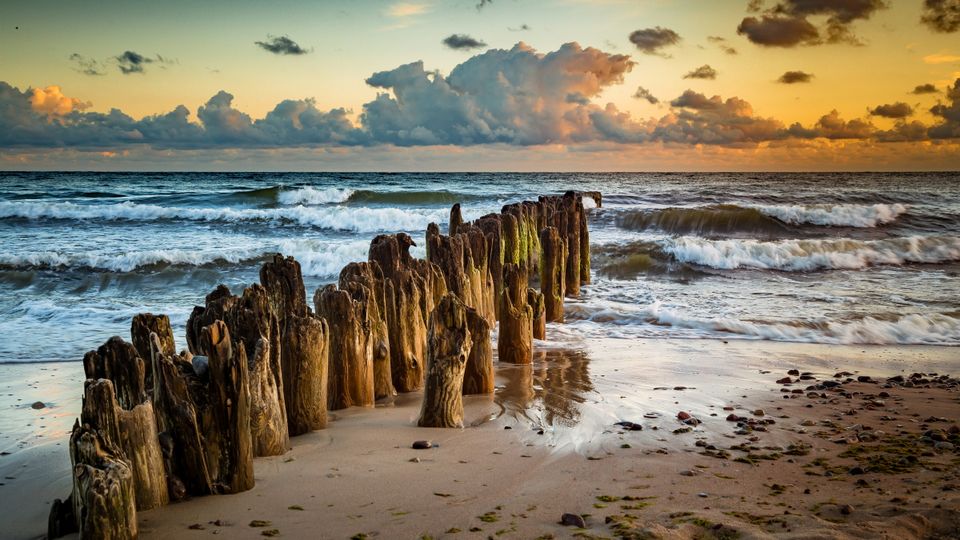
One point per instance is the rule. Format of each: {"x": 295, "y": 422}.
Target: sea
{"x": 837, "y": 258}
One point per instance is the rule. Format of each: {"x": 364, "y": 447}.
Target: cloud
{"x": 927, "y": 88}
{"x": 130, "y": 62}
{"x": 462, "y": 42}
{"x": 941, "y": 15}
{"x": 896, "y": 110}
{"x": 401, "y": 10}
{"x": 794, "y": 77}
{"x": 949, "y": 115}
{"x": 643, "y": 93}
{"x": 483, "y": 3}
{"x": 774, "y": 31}
{"x": 787, "y": 23}
{"x": 940, "y": 58}
{"x": 51, "y": 102}
{"x": 702, "y": 72}
{"x": 281, "y": 45}
{"x": 832, "y": 126}
{"x": 516, "y": 96}
{"x": 87, "y": 66}
{"x": 522, "y": 28}
{"x": 652, "y": 40}
{"x": 723, "y": 44}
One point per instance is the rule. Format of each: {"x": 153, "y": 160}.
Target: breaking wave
{"x": 356, "y": 219}
{"x": 313, "y": 196}
{"x": 912, "y": 329}
{"x": 835, "y": 215}
{"x": 808, "y": 255}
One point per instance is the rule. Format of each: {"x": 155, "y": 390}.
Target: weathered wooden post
{"x": 552, "y": 272}
{"x": 515, "y": 340}
{"x": 535, "y": 301}
{"x": 447, "y": 352}
{"x": 306, "y": 343}
{"x": 365, "y": 283}
{"x": 350, "y": 365}
{"x": 478, "y": 373}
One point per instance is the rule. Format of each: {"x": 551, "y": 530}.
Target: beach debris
{"x": 447, "y": 351}
{"x": 573, "y": 520}
{"x": 422, "y": 445}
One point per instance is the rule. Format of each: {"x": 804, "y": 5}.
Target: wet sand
{"x": 564, "y": 453}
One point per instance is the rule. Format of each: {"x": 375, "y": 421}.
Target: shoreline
{"x": 574, "y": 395}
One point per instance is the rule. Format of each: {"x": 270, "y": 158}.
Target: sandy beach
{"x": 546, "y": 444}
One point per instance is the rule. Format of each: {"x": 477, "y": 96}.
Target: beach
{"x": 563, "y": 453}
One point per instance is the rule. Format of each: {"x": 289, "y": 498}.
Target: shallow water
{"x": 827, "y": 258}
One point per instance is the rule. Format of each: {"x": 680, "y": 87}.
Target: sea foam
{"x": 837, "y": 215}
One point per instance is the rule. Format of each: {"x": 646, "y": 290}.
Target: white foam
{"x": 839, "y": 215}
{"x": 360, "y": 219}
{"x": 911, "y": 329}
{"x": 126, "y": 262}
{"x": 310, "y": 196}
{"x": 806, "y": 255}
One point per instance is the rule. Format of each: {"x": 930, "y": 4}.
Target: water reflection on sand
{"x": 548, "y": 392}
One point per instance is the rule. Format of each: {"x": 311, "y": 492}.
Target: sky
{"x": 480, "y": 85}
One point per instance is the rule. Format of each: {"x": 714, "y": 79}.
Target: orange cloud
{"x": 52, "y": 102}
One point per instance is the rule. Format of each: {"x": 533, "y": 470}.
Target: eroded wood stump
{"x": 478, "y": 375}
{"x": 447, "y": 353}
{"x": 552, "y": 272}
{"x": 535, "y": 300}
{"x": 350, "y": 366}
{"x": 119, "y": 362}
{"x": 283, "y": 281}
{"x": 142, "y": 325}
{"x": 365, "y": 280}
{"x": 103, "y": 487}
{"x": 306, "y": 343}
{"x": 515, "y": 340}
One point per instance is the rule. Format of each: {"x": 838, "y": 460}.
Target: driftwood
{"x": 103, "y": 487}
{"x": 226, "y": 419}
{"x": 134, "y": 434}
{"x": 350, "y": 366}
{"x": 535, "y": 301}
{"x": 306, "y": 343}
{"x": 478, "y": 373}
{"x": 407, "y": 296}
{"x": 447, "y": 352}
{"x": 119, "y": 362}
{"x": 142, "y": 325}
{"x": 515, "y": 340}
{"x": 365, "y": 283}
{"x": 251, "y": 321}
{"x": 283, "y": 281}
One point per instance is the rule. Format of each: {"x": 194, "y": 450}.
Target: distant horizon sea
{"x": 837, "y": 258}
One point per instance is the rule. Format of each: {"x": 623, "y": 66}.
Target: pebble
{"x": 37, "y": 405}
{"x": 630, "y": 426}
{"x": 785, "y": 380}
{"x": 702, "y": 495}
{"x": 689, "y": 472}
{"x": 683, "y": 415}
{"x": 573, "y": 520}
{"x": 758, "y": 412}
{"x": 793, "y": 372}
{"x": 422, "y": 445}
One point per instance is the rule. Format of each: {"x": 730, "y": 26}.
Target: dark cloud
{"x": 483, "y": 3}
{"x": 794, "y": 77}
{"x": 941, "y": 15}
{"x": 131, "y": 62}
{"x": 787, "y": 23}
{"x": 702, "y": 72}
{"x": 281, "y": 45}
{"x": 924, "y": 89}
{"x": 754, "y": 6}
{"x": 722, "y": 43}
{"x": 949, "y": 115}
{"x": 776, "y": 31}
{"x": 832, "y": 126}
{"x": 87, "y": 66}
{"x": 643, "y": 93}
{"x": 896, "y": 110}
{"x": 463, "y": 42}
{"x": 651, "y": 40}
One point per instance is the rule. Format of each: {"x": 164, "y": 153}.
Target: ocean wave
{"x": 705, "y": 220}
{"x": 911, "y": 329}
{"x": 412, "y": 197}
{"x": 317, "y": 258}
{"x": 809, "y": 255}
{"x": 314, "y": 196}
{"x": 835, "y": 215}
{"x": 356, "y": 219}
